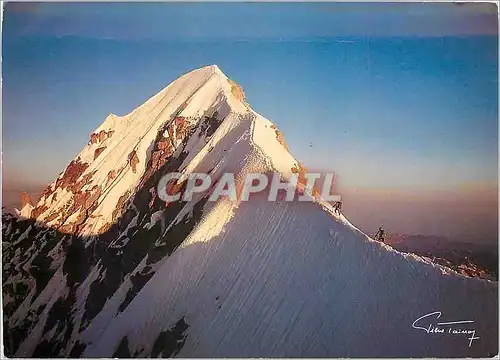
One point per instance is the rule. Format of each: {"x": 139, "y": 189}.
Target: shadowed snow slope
{"x": 102, "y": 267}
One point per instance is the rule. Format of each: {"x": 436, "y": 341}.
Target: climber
{"x": 337, "y": 207}
{"x": 380, "y": 235}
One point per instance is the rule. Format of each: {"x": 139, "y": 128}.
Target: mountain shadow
{"x": 34, "y": 253}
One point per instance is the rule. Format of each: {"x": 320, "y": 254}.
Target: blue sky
{"x": 389, "y": 96}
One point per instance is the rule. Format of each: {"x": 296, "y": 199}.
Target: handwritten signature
{"x": 426, "y": 324}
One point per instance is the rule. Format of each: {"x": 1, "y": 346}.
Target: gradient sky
{"x": 395, "y": 98}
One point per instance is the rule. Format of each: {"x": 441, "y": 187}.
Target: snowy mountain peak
{"x": 115, "y": 159}
{"x": 102, "y": 267}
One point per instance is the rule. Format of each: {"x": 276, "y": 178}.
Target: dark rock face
{"x": 170, "y": 342}
{"x": 47, "y": 268}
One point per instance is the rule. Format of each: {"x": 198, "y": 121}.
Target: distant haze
{"x": 457, "y": 217}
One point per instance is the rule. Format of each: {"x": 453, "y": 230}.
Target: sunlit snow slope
{"x": 101, "y": 267}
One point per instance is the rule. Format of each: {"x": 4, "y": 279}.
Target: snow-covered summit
{"x": 104, "y": 268}
{"x": 116, "y": 157}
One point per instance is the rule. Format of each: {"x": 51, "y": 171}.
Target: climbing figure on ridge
{"x": 337, "y": 207}
{"x": 380, "y": 235}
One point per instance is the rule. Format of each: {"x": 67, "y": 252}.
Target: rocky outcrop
{"x": 84, "y": 203}
{"x": 37, "y": 211}
{"x": 120, "y": 206}
{"x": 51, "y": 217}
{"x": 164, "y": 144}
{"x": 94, "y": 138}
{"x": 100, "y": 136}
{"x": 301, "y": 171}
{"x": 25, "y": 199}
{"x": 133, "y": 160}
{"x": 163, "y": 152}
{"x": 26, "y": 206}
{"x": 181, "y": 127}
{"x": 111, "y": 176}
{"x": 280, "y": 137}
{"x": 237, "y": 90}
{"x": 153, "y": 197}
{"x": 84, "y": 180}
{"x": 99, "y": 151}
{"x": 74, "y": 170}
